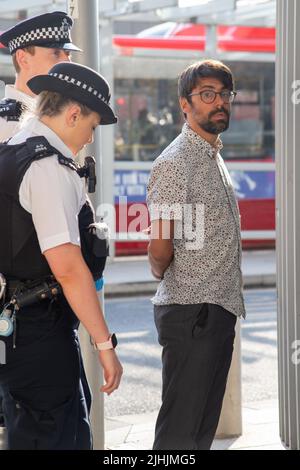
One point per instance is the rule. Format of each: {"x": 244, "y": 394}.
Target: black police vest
{"x": 11, "y": 109}
{"x": 20, "y": 253}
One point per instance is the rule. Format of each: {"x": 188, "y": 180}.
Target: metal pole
{"x": 288, "y": 217}
{"x": 230, "y": 422}
{"x": 86, "y": 35}
{"x": 211, "y": 41}
{"x": 107, "y": 134}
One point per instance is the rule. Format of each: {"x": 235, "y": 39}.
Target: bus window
{"x": 150, "y": 118}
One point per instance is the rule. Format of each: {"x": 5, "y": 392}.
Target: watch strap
{"x": 106, "y": 345}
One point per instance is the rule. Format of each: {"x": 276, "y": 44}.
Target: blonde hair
{"x": 51, "y": 103}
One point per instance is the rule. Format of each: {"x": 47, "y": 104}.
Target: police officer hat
{"x": 79, "y": 83}
{"x": 47, "y": 30}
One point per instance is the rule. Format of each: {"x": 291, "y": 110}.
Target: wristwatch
{"x": 110, "y": 344}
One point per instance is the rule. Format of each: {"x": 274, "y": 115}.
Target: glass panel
{"x": 251, "y": 132}
{"x": 150, "y": 118}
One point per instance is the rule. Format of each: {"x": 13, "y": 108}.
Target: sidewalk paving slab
{"x": 132, "y": 275}
{"x": 260, "y": 430}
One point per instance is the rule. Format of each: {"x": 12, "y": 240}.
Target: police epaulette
{"x": 11, "y": 109}
{"x": 39, "y": 147}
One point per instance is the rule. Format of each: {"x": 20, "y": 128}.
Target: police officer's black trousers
{"x": 46, "y": 397}
{"x": 197, "y": 345}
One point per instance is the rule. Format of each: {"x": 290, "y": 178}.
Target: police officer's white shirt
{"x": 10, "y": 128}
{"x": 53, "y": 193}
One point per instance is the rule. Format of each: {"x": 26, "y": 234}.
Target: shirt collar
{"x": 36, "y": 128}
{"x": 212, "y": 150}
{"x": 12, "y": 93}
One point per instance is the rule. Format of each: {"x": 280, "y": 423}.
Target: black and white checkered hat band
{"x": 53, "y": 33}
{"x": 81, "y": 85}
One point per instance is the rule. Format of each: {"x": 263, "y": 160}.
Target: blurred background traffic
{"x": 148, "y": 55}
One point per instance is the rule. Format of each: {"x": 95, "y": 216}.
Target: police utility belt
{"x": 15, "y": 294}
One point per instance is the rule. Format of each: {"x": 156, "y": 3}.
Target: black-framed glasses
{"x": 209, "y": 96}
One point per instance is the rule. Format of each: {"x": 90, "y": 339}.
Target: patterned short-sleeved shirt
{"x": 190, "y": 183}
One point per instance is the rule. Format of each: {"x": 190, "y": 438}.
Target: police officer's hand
{"x": 112, "y": 370}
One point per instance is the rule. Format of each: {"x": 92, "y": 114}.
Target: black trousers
{"x": 46, "y": 398}
{"x": 197, "y": 343}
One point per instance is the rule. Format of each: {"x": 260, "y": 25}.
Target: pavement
{"x": 136, "y": 432}
{"x": 260, "y": 430}
{"x": 132, "y": 275}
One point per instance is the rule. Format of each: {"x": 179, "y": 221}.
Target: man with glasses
{"x": 195, "y": 251}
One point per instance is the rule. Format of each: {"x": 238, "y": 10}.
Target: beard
{"x": 213, "y": 127}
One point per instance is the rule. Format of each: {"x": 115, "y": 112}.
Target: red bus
{"x": 146, "y": 67}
